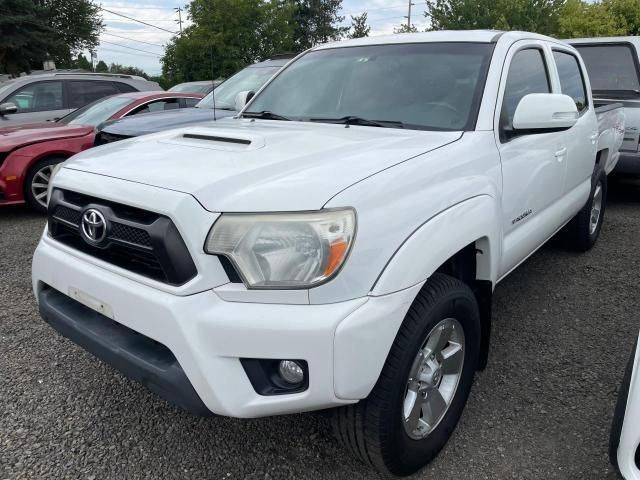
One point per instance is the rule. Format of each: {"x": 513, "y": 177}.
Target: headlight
{"x": 293, "y": 250}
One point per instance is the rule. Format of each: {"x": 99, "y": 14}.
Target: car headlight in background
{"x": 284, "y": 250}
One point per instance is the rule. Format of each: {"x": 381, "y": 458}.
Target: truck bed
{"x": 611, "y": 120}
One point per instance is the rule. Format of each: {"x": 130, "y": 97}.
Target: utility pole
{"x": 179, "y": 21}
{"x": 409, "y": 16}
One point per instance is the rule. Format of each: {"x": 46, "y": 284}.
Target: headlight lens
{"x": 294, "y": 250}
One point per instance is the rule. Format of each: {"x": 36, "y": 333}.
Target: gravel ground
{"x": 564, "y": 325}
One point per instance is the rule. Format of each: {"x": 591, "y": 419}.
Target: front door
{"x": 533, "y": 164}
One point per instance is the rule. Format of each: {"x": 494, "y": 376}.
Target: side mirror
{"x": 242, "y": 99}
{"x": 7, "y": 108}
{"x": 545, "y": 111}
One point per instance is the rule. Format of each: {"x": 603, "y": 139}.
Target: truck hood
{"x": 12, "y": 139}
{"x": 241, "y": 165}
{"x": 137, "y": 125}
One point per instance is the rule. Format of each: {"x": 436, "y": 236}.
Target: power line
{"x": 127, "y": 53}
{"x": 130, "y": 48}
{"x": 133, "y": 39}
{"x": 133, "y": 19}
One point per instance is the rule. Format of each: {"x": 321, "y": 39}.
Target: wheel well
{"x": 467, "y": 265}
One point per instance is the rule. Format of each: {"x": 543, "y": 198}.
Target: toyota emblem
{"x": 94, "y": 226}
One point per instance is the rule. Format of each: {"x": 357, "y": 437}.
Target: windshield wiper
{"x": 265, "y": 114}
{"x": 355, "y": 120}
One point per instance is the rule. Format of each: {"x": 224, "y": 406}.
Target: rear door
{"x": 581, "y": 139}
{"x": 533, "y": 163}
{"x": 36, "y": 102}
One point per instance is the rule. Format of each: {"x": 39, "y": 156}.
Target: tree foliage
{"x": 317, "y": 21}
{"x": 529, "y": 15}
{"x": 226, "y": 35}
{"x": 405, "y": 28}
{"x": 34, "y": 30}
{"x": 102, "y": 67}
{"x": 359, "y": 27}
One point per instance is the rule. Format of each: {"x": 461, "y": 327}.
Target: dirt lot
{"x": 564, "y": 327}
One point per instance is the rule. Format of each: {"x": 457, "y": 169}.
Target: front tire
{"x": 424, "y": 385}
{"x": 37, "y": 183}
{"x": 585, "y": 227}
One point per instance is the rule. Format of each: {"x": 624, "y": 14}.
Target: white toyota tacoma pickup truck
{"x": 338, "y": 243}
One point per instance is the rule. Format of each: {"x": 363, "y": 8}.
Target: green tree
{"x": 117, "y": 68}
{"x": 359, "y": 27}
{"x": 24, "y": 37}
{"x": 581, "y": 19}
{"x": 539, "y": 16}
{"x": 225, "y": 36}
{"x": 102, "y": 67}
{"x": 32, "y": 30}
{"x": 626, "y": 15}
{"x": 404, "y": 28}
{"x": 317, "y": 21}
{"x": 83, "y": 63}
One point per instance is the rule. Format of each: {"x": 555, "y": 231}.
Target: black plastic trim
{"x": 265, "y": 379}
{"x": 137, "y": 356}
{"x": 153, "y": 248}
{"x": 212, "y": 138}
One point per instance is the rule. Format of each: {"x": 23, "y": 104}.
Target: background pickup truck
{"x": 612, "y": 64}
{"x": 337, "y": 244}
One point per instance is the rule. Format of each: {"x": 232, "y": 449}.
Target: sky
{"x": 130, "y": 43}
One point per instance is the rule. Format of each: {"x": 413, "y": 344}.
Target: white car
{"x": 338, "y": 244}
{"x": 624, "y": 443}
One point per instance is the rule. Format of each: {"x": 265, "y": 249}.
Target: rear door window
{"x": 611, "y": 67}
{"x": 124, "y": 87}
{"x": 571, "y": 80}
{"x": 83, "y": 92}
{"x": 38, "y": 97}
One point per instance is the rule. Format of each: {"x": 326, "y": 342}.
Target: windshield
{"x": 429, "y": 86}
{"x": 97, "y": 112}
{"x": 248, "y": 79}
{"x": 190, "y": 87}
{"x": 610, "y": 67}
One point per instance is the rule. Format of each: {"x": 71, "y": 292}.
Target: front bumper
{"x": 344, "y": 344}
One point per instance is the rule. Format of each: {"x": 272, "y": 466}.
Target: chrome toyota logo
{"x": 94, "y": 226}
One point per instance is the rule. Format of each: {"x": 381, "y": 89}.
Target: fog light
{"x": 290, "y": 371}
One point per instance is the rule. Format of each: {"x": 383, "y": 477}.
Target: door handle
{"x": 561, "y": 153}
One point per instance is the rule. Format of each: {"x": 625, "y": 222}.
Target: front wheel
{"x": 424, "y": 385}
{"x": 37, "y": 183}
{"x": 584, "y": 229}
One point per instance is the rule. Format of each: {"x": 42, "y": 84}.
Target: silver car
{"x": 38, "y": 98}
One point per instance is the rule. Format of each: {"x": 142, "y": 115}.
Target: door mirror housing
{"x": 7, "y": 108}
{"x": 242, "y": 99}
{"x": 545, "y": 111}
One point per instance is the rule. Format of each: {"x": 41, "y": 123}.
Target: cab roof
{"x": 478, "y": 36}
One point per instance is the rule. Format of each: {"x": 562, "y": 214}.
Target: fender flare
{"x": 476, "y": 219}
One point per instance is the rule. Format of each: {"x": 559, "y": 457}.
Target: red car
{"x": 28, "y": 153}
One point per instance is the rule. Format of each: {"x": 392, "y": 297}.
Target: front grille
{"x": 103, "y": 138}
{"x": 143, "y": 242}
